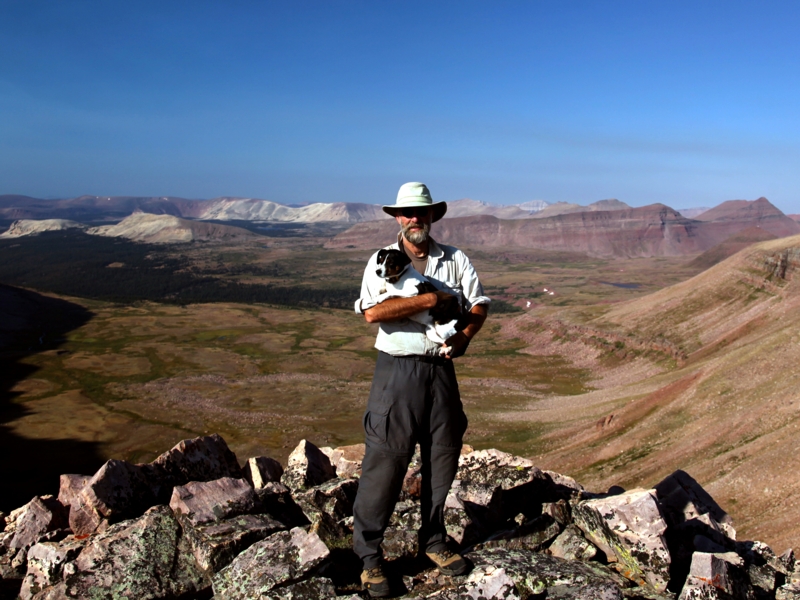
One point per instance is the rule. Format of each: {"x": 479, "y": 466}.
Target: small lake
{"x": 627, "y": 286}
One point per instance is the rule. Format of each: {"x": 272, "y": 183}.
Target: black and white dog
{"x": 402, "y": 280}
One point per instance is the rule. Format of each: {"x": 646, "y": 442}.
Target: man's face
{"x": 415, "y": 223}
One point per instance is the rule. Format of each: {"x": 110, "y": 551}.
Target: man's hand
{"x": 460, "y": 341}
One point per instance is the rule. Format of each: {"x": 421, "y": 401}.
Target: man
{"x": 414, "y": 396}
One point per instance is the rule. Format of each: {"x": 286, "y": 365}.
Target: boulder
{"x": 307, "y": 467}
{"x": 70, "y": 486}
{"x": 790, "y": 591}
{"x": 496, "y": 468}
{"x": 533, "y": 535}
{"x": 45, "y": 563}
{"x": 215, "y": 544}
{"x": 538, "y": 575}
{"x": 276, "y": 499}
{"x": 571, "y": 545}
{"x": 42, "y": 519}
{"x": 560, "y": 511}
{"x": 327, "y": 505}
{"x": 205, "y": 501}
{"x": 119, "y": 490}
{"x": 203, "y": 458}
{"x": 284, "y": 557}
{"x": 472, "y": 511}
{"x": 400, "y": 543}
{"x": 630, "y": 530}
{"x": 310, "y": 589}
{"x": 711, "y": 576}
{"x": 682, "y": 498}
{"x": 346, "y": 459}
{"x": 141, "y": 558}
{"x": 261, "y": 470}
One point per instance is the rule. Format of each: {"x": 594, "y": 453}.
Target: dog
{"x": 402, "y": 280}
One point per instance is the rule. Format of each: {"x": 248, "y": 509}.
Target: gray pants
{"x": 413, "y": 400}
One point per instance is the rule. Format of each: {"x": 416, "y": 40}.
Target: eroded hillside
{"x": 701, "y": 375}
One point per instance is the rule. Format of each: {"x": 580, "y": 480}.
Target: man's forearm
{"x": 477, "y": 316}
{"x": 395, "y": 309}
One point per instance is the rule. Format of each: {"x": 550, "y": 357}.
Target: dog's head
{"x": 391, "y": 263}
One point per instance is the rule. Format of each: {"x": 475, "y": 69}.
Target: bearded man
{"x": 414, "y": 396}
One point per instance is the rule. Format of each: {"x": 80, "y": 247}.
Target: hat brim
{"x": 439, "y": 208}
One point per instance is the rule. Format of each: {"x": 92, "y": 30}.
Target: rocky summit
{"x": 194, "y": 524}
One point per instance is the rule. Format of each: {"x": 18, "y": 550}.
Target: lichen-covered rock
{"x": 560, "y": 511}
{"x": 472, "y": 511}
{"x": 142, "y": 558}
{"x": 327, "y": 505}
{"x": 712, "y": 576}
{"x": 287, "y": 556}
{"x": 307, "y": 467}
{"x": 310, "y": 589}
{"x": 539, "y": 575}
{"x": 70, "y": 486}
{"x": 400, "y": 543}
{"x": 406, "y": 515}
{"x": 203, "y": 458}
{"x": 45, "y": 563}
{"x": 261, "y": 470}
{"x": 571, "y": 545}
{"x": 496, "y": 468}
{"x": 484, "y": 583}
{"x": 205, "y": 501}
{"x": 630, "y": 530}
{"x": 119, "y": 490}
{"x": 214, "y": 545}
{"x": 533, "y": 535}
{"x": 790, "y": 591}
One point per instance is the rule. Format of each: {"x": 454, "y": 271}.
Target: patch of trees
{"x": 75, "y": 264}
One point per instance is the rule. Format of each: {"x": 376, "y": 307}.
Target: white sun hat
{"x": 415, "y": 194}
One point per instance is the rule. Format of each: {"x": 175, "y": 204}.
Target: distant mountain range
{"x": 655, "y": 230}
{"x": 114, "y": 208}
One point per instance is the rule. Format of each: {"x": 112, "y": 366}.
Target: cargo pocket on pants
{"x": 376, "y": 424}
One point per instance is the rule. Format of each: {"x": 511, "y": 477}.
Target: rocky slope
{"x": 564, "y": 208}
{"x": 166, "y": 229}
{"x": 31, "y": 227}
{"x": 654, "y": 230}
{"x": 193, "y": 522}
{"x": 719, "y": 397}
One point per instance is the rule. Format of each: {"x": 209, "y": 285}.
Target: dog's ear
{"x": 381, "y": 255}
{"x": 402, "y": 258}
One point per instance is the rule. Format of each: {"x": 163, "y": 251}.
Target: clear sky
{"x": 685, "y": 103}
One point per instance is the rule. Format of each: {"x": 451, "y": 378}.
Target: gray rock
{"x": 42, "y": 519}
{"x": 682, "y": 499}
{"x": 199, "y": 459}
{"x": 70, "y": 486}
{"x": 406, "y": 515}
{"x": 560, "y": 511}
{"x": 790, "y": 591}
{"x": 276, "y": 499}
{"x": 205, "y": 501}
{"x": 287, "y": 556}
{"x": 711, "y": 576}
{"x": 400, "y": 543}
{"x": 261, "y": 470}
{"x": 327, "y": 505}
{"x": 310, "y": 589}
{"x": 141, "y": 558}
{"x": 472, "y": 511}
{"x": 215, "y": 545}
{"x": 571, "y": 545}
{"x": 41, "y": 515}
{"x": 119, "y": 490}
{"x": 533, "y": 535}
{"x": 45, "y": 563}
{"x": 630, "y": 530}
{"x": 307, "y": 467}
{"x": 496, "y": 468}
{"x": 764, "y": 579}
{"x": 346, "y": 459}
{"x": 536, "y": 575}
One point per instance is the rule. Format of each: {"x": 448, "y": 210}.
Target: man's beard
{"x": 417, "y": 236}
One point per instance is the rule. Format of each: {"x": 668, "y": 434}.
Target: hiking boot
{"x": 449, "y": 563}
{"x": 375, "y": 582}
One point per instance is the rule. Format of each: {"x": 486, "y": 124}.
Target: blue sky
{"x": 684, "y": 103}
